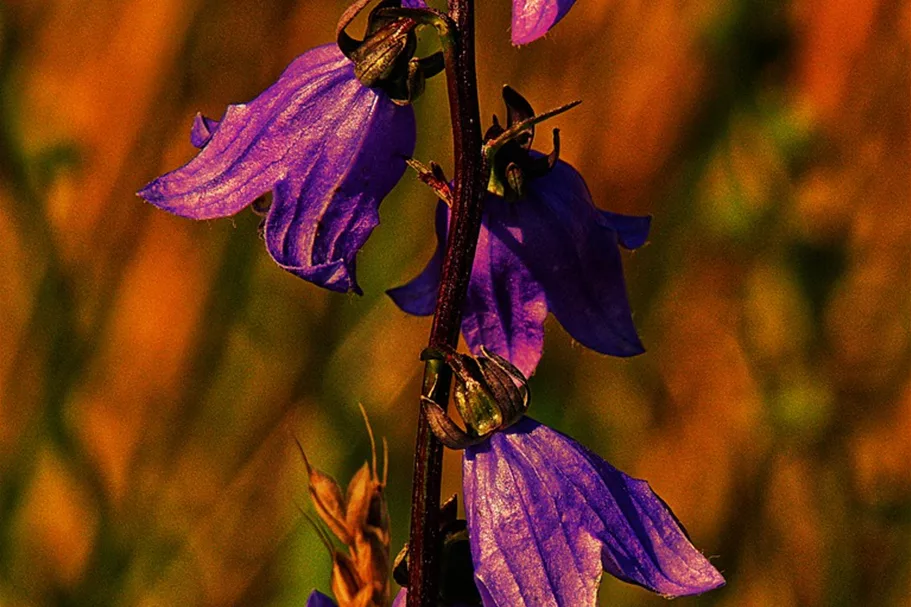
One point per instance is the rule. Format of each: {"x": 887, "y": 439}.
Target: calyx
{"x": 385, "y": 59}
{"x": 508, "y": 150}
{"x": 490, "y": 395}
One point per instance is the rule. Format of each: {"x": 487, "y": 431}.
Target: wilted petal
{"x": 531, "y": 19}
{"x": 318, "y": 599}
{"x": 419, "y": 296}
{"x": 329, "y": 147}
{"x": 545, "y": 515}
{"x": 572, "y": 249}
{"x": 505, "y": 307}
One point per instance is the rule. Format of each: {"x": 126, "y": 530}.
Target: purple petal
{"x": 323, "y": 213}
{"x": 505, "y": 307}
{"x": 572, "y": 250}
{"x": 202, "y": 131}
{"x": 552, "y": 250}
{"x": 632, "y": 230}
{"x": 318, "y": 599}
{"x": 531, "y": 19}
{"x": 413, "y": 4}
{"x": 545, "y": 515}
{"x": 419, "y": 296}
{"x": 255, "y": 144}
{"x": 329, "y": 147}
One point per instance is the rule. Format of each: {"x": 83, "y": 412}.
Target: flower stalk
{"x": 467, "y": 196}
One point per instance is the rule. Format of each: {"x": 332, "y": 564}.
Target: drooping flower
{"x": 531, "y": 19}
{"x": 545, "y": 515}
{"x": 543, "y": 246}
{"x": 329, "y": 139}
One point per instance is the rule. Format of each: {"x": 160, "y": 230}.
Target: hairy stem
{"x": 465, "y": 223}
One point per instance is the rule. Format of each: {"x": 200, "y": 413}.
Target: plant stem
{"x": 465, "y": 224}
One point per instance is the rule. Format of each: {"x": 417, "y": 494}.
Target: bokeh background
{"x": 154, "y": 370}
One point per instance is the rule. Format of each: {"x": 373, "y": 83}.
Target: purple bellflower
{"x": 545, "y": 515}
{"x": 531, "y": 19}
{"x": 543, "y": 246}
{"x": 329, "y": 139}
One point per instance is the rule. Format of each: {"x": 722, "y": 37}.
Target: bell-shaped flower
{"x": 546, "y": 516}
{"x": 531, "y": 19}
{"x": 327, "y": 147}
{"x": 328, "y": 139}
{"x": 543, "y": 246}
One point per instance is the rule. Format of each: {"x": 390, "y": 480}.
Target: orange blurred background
{"x": 154, "y": 370}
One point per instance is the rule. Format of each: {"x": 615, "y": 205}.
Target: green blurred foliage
{"x": 154, "y": 371}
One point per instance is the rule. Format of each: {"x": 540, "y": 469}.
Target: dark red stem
{"x": 465, "y": 223}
